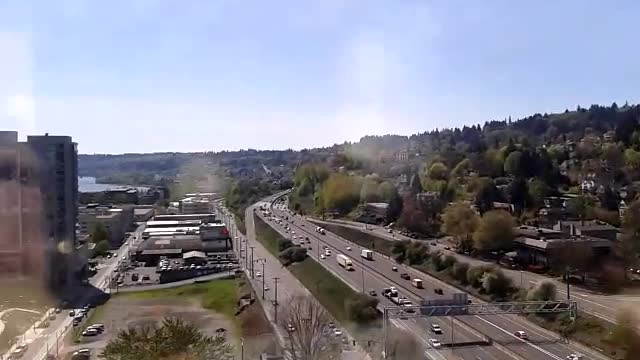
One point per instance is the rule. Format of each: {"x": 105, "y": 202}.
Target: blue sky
{"x": 193, "y": 75}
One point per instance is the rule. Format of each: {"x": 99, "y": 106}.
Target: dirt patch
{"x": 249, "y": 329}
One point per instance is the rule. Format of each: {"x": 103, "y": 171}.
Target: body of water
{"x": 88, "y": 184}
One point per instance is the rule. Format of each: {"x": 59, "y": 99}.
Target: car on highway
{"x": 521, "y": 334}
{"x": 337, "y": 332}
{"x": 575, "y": 356}
{"x": 348, "y": 248}
{"x": 266, "y": 287}
{"x": 372, "y": 293}
{"x": 395, "y": 268}
{"x": 322, "y": 256}
{"x": 72, "y": 313}
{"x": 435, "y": 343}
{"x": 327, "y": 252}
{"x": 436, "y": 329}
{"x": 438, "y": 291}
{"x": 405, "y": 276}
{"x": 258, "y": 274}
{"x": 447, "y": 247}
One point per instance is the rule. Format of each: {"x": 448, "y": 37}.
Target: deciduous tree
{"x": 495, "y": 231}
{"x": 460, "y": 222}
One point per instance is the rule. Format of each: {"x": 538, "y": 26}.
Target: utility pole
{"x": 568, "y": 272}
{"x": 252, "y": 247}
{"x": 275, "y": 302}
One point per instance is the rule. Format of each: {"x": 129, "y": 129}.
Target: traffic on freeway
{"x": 382, "y": 272}
{"x": 605, "y": 307}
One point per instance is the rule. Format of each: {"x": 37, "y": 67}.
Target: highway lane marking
{"x": 430, "y": 280}
{"x": 373, "y": 275}
{"x": 522, "y": 340}
{"x": 535, "y": 330}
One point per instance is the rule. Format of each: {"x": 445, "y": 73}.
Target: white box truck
{"x": 417, "y": 283}
{"x": 367, "y": 254}
{"x": 344, "y": 261}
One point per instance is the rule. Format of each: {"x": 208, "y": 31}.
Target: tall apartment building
{"x": 38, "y": 205}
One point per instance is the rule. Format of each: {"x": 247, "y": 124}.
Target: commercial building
{"x": 38, "y": 213}
{"x": 195, "y": 205}
{"x": 541, "y": 247}
{"x": 593, "y": 228}
{"x": 115, "y": 220}
{"x": 172, "y": 238}
{"x": 143, "y": 213}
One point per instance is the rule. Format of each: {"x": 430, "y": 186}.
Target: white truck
{"x": 345, "y": 262}
{"x": 367, "y": 254}
{"x": 417, "y": 283}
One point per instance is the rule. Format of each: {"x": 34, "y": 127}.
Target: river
{"x": 88, "y": 184}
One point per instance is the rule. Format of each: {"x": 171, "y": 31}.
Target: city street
{"x": 50, "y": 340}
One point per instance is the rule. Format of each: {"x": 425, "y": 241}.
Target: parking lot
{"x": 133, "y": 273}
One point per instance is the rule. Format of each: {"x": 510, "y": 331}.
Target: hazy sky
{"x": 193, "y": 75}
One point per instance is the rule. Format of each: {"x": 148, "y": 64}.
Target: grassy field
{"x": 220, "y": 295}
{"x": 209, "y": 306}
{"x": 330, "y": 291}
{"x": 361, "y": 238}
{"x": 267, "y": 236}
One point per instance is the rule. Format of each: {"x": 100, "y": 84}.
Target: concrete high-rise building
{"x": 38, "y": 203}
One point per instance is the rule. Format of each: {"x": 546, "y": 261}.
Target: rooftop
{"x": 556, "y": 243}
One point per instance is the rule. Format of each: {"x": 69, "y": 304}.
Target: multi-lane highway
{"x": 605, "y": 307}
{"x": 378, "y": 273}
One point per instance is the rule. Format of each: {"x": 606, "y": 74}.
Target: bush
{"x": 437, "y": 261}
{"x": 496, "y": 283}
{"x": 449, "y": 261}
{"x": 459, "y": 272}
{"x": 101, "y": 248}
{"x": 361, "y": 308}
{"x": 417, "y": 253}
{"x": 475, "y": 273}
{"x": 284, "y": 244}
{"x": 545, "y": 291}
{"x": 293, "y": 254}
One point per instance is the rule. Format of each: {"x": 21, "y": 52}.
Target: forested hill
{"x": 618, "y": 123}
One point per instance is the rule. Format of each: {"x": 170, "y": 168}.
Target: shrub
{"x": 361, "y": 308}
{"x": 496, "y": 283}
{"x": 475, "y": 273}
{"x": 293, "y": 254}
{"x": 284, "y": 244}
{"x": 448, "y": 261}
{"x": 459, "y": 272}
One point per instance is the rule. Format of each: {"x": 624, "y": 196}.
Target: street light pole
{"x": 275, "y": 301}
{"x": 252, "y": 247}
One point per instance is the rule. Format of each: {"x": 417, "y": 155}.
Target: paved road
{"x": 288, "y": 285}
{"x": 542, "y": 345}
{"x": 603, "y": 306}
{"x": 456, "y": 333}
{"x": 49, "y": 340}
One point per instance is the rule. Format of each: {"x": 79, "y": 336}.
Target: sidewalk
{"x": 288, "y": 286}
